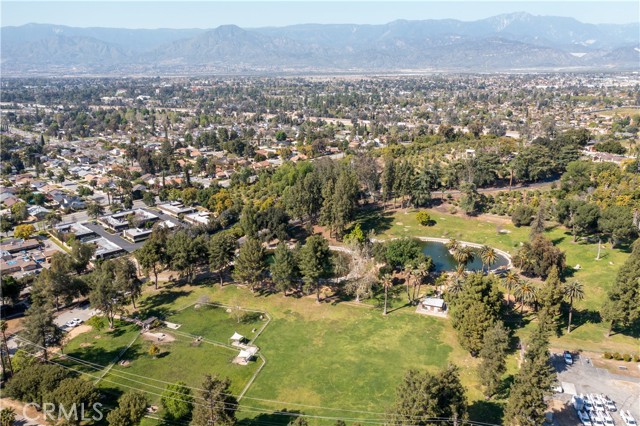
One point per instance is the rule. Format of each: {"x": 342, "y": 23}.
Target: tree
{"x": 250, "y": 263}
{"x": 399, "y": 253}
{"x": 284, "y": 270}
{"x": 186, "y": 252}
{"x": 622, "y": 305}
{"x": 222, "y": 248}
{"x": 53, "y": 218}
{"x": 493, "y": 354}
{"x": 69, "y": 395}
{"x": 10, "y": 289}
{"x": 19, "y": 211}
{"x": 474, "y": 310}
{"x": 24, "y": 231}
{"x": 126, "y": 279}
{"x": 488, "y": 256}
{"x": 573, "y": 290}
{"x": 423, "y": 218}
{"x": 7, "y": 416}
{"x": 154, "y": 350}
{"x": 470, "y": 202}
{"x": 526, "y": 293}
{"x": 5, "y": 356}
{"x": 57, "y": 284}
{"x": 39, "y": 328}
{"x": 131, "y": 408}
{"x": 538, "y": 224}
{"x": 177, "y": 401}
{"x": 218, "y": 406}
{"x": 617, "y": 223}
{"x": 510, "y": 282}
{"x": 550, "y": 296}
{"x": 463, "y": 256}
{"x": 149, "y": 199}
{"x": 388, "y": 178}
{"x": 314, "y": 262}
{"x": 537, "y": 257}
{"x": 81, "y": 255}
{"x": 522, "y": 216}
{"x": 152, "y": 256}
{"x": 94, "y": 210}
{"x": 423, "y": 397}
{"x": 249, "y": 220}
{"x": 526, "y": 405}
{"x": 105, "y": 294}
{"x": 387, "y": 282}
{"x": 33, "y": 384}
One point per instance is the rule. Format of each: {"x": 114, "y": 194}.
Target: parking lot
{"x": 583, "y": 378}
{"x": 83, "y": 312}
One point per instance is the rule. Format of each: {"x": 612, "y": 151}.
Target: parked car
{"x": 608, "y": 420}
{"x": 597, "y": 402}
{"x": 609, "y": 404}
{"x": 596, "y": 418}
{"x": 584, "y": 418}
{"x": 568, "y": 358}
{"x": 588, "y": 405}
{"x": 627, "y": 418}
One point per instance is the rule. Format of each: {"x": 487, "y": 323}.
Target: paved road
{"x": 81, "y": 216}
{"x": 82, "y": 311}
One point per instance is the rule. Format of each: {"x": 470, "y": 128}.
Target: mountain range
{"x": 510, "y": 42}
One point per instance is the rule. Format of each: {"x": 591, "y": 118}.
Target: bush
{"x": 636, "y": 358}
{"x": 607, "y": 355}
{"x": 626, "y": 357}
{"x": 424, "y": 218}
{"x": 617, "y": 356}
{"x": 98, "y": 323}
{"x": 522, "y": 216}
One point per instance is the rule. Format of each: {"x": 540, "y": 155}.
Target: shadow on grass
{"x": 374, "y": 218}
{"x": 156, "y": 305}
{"x": 277, "y": 418}
{"x": 486, "y": 411}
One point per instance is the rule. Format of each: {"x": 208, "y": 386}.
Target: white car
{"x": 627, "y": 418}
{"x": 69, "y": 324}
{"x": 608, "y": 403}
{"x": 568, "y": 358}
{"x": 596, "y": 418}
{"x": 588, "y": 405}
{"x": 608, "y": 420}
{"x": 77, "y": 321}
{"x": 584, "y": 418}
{"x": 597, "y": 402}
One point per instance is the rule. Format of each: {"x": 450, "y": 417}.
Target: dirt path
{"x": 23, "y": 411}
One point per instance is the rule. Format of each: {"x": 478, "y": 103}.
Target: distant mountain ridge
{"x": 510, "y": 42}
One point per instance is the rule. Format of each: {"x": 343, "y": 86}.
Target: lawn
{"x": 596, "y": 275}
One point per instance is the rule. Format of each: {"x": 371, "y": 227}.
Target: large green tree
{"x": 222, "y": 248}
{"x": 177, "y": 401}
{"x": 622, "y": 307}
{"x": 250, "y": 264}
{"x": 217, "y": 406}
{"x": 314, "y": 261}
{"x": 152, "y": 256}
{"x": 131, "y": 408}
{"x": 284, "y": 269}
{"x": 493, "y": 354}
{"x": 422, "y": 399}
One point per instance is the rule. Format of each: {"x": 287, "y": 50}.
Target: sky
{"x": 251, "y": 14}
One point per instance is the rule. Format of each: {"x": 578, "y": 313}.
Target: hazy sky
{"x": 209, "y": 14}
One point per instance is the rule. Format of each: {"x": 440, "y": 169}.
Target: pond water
{"x": 444, "y": 261}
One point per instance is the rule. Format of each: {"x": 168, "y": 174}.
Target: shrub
{"x": 607, "y": 355}
{"x": 617, "y": 356}
{"x": 626, "y": 357}
{"x": 98, "y": 323}
{"x": 522, "y": 216}
{"x": 424, "y": 218}
{"x": 636, "y": 358}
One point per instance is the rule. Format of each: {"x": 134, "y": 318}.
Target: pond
{"x": 444, "y": 261}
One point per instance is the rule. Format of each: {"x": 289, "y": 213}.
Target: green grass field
{"x": 338, "y": 359}
{"x": 596, "y": 275}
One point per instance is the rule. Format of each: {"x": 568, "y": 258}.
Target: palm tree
{"x": 526, "y": 292}
{"x": 510, "y": 282}
{"x": 488, "y": 256}
{"x": 455, "y": 287}
{"x": 463, "y": 256}
{"x": 412, "y": 273}
{"x": 387, "y": 283}
{"x": 452, "y": 245}
{"x": 7, "y": 416}
{"x": 421, "y": 272}
{"x": 573, "y": 290}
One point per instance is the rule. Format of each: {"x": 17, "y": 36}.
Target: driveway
{"x": 82, "y": 311}
{"x": 583, "y": 378}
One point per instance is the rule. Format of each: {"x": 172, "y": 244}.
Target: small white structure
{"x": 246, "y": 355}
{"x": 237, "y": 339}
{"x": 432, "y": 306}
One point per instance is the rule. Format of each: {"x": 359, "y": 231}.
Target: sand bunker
{"x": 158, "y": 337}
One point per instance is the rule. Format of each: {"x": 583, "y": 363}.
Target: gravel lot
{"x": 583, "y": 377}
